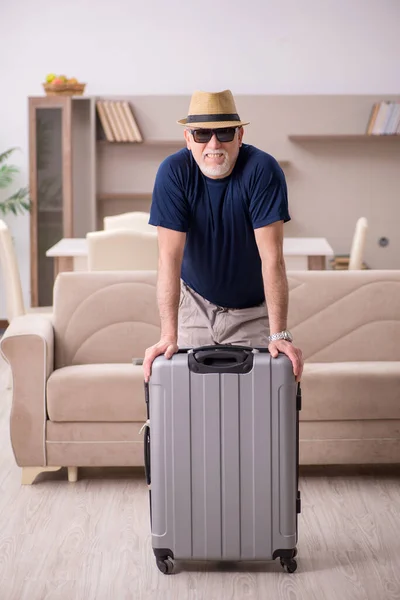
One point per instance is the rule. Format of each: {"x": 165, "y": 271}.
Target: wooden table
{"x": 70, "y": 254}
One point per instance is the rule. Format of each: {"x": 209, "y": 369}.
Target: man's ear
{"x": 240, "y": 135}
{"x": 187, "y": 138}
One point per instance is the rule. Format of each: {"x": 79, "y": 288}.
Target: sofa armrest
{"x": 28, "y": 347}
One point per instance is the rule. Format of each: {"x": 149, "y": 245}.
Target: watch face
{"x": 288, "y": 336}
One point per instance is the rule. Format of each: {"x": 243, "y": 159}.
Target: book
{"x": 372, "y": 118}
{"x": 104, "y": 121}
{"x": 131, "y": 119}
{"x": 119, "y": 135}
{"x": 124, "y": 125}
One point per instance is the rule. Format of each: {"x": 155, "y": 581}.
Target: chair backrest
{"x": 11, "y": 275}
{"x": 358, "y": 244}
{"x": 137, "y": 220}
{"x": 108, "y": 317}
{"x": 122, "y": 250}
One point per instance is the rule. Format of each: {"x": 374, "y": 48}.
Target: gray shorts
{"x": 201, "y": 322}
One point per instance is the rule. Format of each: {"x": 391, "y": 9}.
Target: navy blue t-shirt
{"x": 221, "y": 261}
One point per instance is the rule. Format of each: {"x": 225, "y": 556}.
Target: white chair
{"x": 122, "y": 250}
{"x": 11, "y": 277}
{"x": 358, "y": 244}
{"x": 137, "y": 220}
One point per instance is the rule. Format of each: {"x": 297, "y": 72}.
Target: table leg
{"x": 63, "y": 263}
{"x": 316, "y": 263}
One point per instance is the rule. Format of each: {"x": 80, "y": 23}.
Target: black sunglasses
{"x": 202, "y": 136}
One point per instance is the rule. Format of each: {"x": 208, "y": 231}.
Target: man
{"x": 220, "y": 206}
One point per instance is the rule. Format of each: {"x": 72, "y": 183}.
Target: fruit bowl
{"x": 60, "y": 85}
{"x": 64, "y": 89}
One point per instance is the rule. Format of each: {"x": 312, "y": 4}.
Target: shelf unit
{"x": 323, "y": 137}
{"x": 61, "y": 181}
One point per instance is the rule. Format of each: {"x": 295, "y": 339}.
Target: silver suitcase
{"x": 221, "y": 456}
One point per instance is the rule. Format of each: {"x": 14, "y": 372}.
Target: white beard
{"x": 216, "y": 170}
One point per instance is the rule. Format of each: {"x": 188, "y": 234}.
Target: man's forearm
{"x": 276, "y": 295}
{"x": 168, "y": 294}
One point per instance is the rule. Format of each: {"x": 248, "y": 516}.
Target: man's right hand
{"x": 168, "y": 347}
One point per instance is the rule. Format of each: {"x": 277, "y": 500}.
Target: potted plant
{"x": 18, "y": 202}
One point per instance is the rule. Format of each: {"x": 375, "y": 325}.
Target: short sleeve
{"x": 268, "y": 194}
{"x": 169, "y": 205}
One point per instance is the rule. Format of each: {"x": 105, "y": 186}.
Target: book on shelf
{"x": 384, "y": 119}
{"x": 117, "y": 121}
{"x": 131, "y": 120}
{"x": 105, "y": 123}
{"x": 126, "y": 130}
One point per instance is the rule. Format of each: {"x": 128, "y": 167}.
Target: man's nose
{"x": 214, "y": 142}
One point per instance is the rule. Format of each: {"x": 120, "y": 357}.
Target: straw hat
{"x": 212, "y": 110}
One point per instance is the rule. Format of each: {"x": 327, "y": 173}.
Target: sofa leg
{"x": 29, "y": 474}
{"x": 72, "y": 474}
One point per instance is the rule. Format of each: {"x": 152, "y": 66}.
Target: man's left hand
{"x": 292, "y": 352}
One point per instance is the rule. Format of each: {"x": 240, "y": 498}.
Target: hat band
{"x": 212, "y": 118}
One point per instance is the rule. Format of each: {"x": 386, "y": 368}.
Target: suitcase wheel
{"x": 289, "y": 564}
{"x": 165, "y": 565}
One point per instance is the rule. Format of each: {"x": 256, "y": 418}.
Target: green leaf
{"x": 7, "y": 173}
{"x": 17, "y": 203}
{"x": 7, "y": 153}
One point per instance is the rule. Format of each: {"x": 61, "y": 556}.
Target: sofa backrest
{"x": 340, "y": 316}
{"x": 104, "y": 317}
{"x": 335, "y": 316}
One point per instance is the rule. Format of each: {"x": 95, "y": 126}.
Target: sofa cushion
{"x": 350, "y": 390}
{"x": 99, "y": 392}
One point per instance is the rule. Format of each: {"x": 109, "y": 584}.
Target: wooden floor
{"x": 90, "y": 540}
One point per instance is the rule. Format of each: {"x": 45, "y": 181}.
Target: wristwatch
{"x": 282, "y": 335}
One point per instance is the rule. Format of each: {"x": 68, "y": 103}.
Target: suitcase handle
{"x": 221, "y": 359}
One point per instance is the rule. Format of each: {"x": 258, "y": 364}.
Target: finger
{"x": 147, "y": 364}
{"x": 150, "y": 355}
{"x": 146, "y": 371}
{"x": 296, "y": 365}
{"x": 273, "y": 350}
{"x": 299, "y": 371}
{"x": 170, "y": 351}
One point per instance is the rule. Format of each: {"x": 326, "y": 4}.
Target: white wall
{"x": 176, "y": 46}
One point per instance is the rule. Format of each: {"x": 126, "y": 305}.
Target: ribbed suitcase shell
{"x": 223, "y": 460}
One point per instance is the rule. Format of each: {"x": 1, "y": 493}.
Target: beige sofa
{"x": 78, "y": 400}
